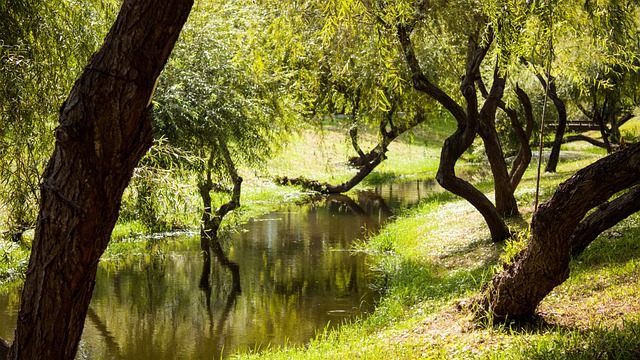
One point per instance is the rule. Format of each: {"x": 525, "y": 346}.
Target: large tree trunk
{"x": 104, "y": 130}
{"x": 456, "y": 144}
{"x": 544, "y": 264}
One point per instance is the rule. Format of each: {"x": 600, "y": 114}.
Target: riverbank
{"x": 319, "y": 153}
{"x": 435, "y": 256}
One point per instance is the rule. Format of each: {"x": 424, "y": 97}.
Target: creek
{"x": 296, "y": 278}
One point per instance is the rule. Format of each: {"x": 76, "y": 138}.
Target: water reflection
{"x": 293, "y": 267}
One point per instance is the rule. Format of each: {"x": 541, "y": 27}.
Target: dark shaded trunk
{"x": 544, "y": 264}
{"x": 588, "y": 139}
{"x": 506, "y": 204}
{"x": 554, "y": 156}
{"x": 467, "y": 126}
{"x": 104, "y": 130}
{"x": 606, "y": 216}
{"x": 523, "y": 158}
{"x": 211, "y": 221}
{"x": 4, "y": 349}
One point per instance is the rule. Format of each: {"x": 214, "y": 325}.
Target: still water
{"x": 296, "y": 278}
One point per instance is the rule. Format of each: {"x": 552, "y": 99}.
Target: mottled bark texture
{"x": 104, "y": 130}
{"x": 559, "y": 227}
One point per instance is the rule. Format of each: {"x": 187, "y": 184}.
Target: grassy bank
{"x": 435, "y": 256}
{"x": 316, "y": 152}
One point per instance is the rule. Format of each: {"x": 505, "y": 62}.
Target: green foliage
{"x": 43, "y": 46}
{"x": 13, "y": 261}
{"x": 161, "y": 195}
{"x": 222, "y": 87}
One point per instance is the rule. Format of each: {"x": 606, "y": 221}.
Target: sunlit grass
{"x": 439, "y": 254}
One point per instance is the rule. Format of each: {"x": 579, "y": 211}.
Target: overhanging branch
{"x": 606, "y": 216}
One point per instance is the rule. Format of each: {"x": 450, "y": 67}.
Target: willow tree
{"x": 592, "y": 200}
{"x": 43, "y": 46}
{"x": 610, "y": 74}
{"x": 356, "y": 79}
{"x": 478, "y": 47}
{"x": 104, "y": 130}
{"x": 223, "y": 100}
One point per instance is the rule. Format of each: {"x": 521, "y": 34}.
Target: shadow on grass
{"x": 616, "y": 246}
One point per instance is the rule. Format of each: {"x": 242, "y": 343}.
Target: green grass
{"x": 436, "y": 256}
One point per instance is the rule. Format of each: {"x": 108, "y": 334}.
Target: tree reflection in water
{"x": 298, "y": 275}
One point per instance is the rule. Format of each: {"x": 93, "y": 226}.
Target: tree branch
{"x": 581, "y": 137}
{"x": 420, "y": 80}
{"x": 366, "y": 164}
{"x": 607, "y": 215}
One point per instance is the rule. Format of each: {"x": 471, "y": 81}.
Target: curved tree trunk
{"x": 586, "y": 138}
{"x": 456, "y": 144}
{"x": 554, "y": 156}
{"x": 607, "y": 215}
{"x": 523, "y": 158}
{"x": 366, "y": 163}
{"x": 506, "y": 204}
{"x": 544, "y": 264}
{"x": 104, "y": 130}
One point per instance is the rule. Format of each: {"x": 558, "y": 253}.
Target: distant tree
{"x": 355, "y": 80}
{"x": 610, "y": 82}
{"x": 105, "y": 128}
{"x": 478, "y": 36}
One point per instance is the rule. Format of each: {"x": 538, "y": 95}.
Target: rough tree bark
{"x": 608, "y": 214}
{"x": 523, "y": 158}
{"x": 544, "y": 264}
{"x": 505, "y": 201}
{"x": 468, "y": 123}
{"x": 104, "y": 130}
